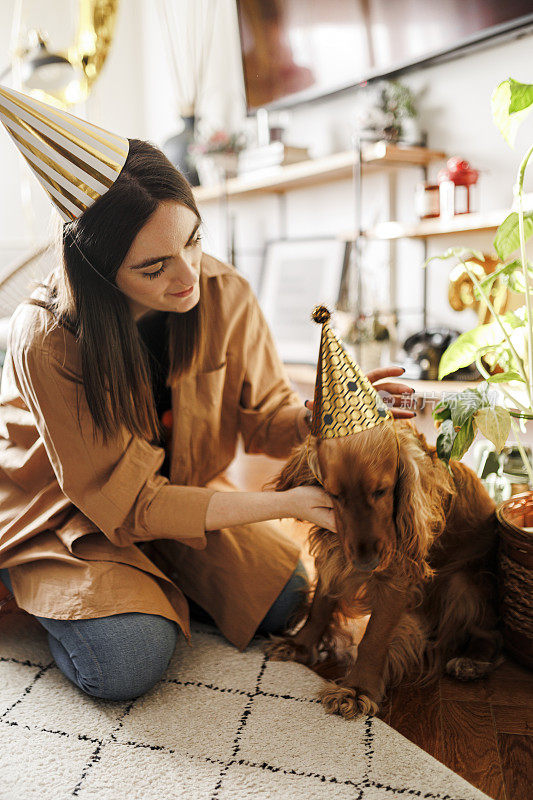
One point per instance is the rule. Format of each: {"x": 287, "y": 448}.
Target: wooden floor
{"x": 482, "y": 730}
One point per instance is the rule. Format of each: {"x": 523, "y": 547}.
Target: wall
{"x": 455, "y": 112}
{"x": 117, "y": 102}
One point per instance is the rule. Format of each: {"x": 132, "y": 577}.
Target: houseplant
{"x": 503, "y": 352}
{"x": 219, "y": 150}
{"x": 388, "y": 111}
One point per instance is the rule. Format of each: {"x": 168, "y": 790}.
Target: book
{"x": 270, "y": 155}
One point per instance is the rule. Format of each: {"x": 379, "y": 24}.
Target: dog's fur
{"x": 415, "y": 548}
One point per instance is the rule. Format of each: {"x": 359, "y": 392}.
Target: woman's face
{"x": 163, "y": 260}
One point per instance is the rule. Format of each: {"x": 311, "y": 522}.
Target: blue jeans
{"x": 122, "y": 656}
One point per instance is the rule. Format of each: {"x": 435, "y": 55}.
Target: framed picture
{"x": 297, "y": 275}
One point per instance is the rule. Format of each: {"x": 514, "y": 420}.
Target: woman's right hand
{"x": 311, "y": 504}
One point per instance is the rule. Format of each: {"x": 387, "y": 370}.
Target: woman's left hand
{"x": 396, "y": 394}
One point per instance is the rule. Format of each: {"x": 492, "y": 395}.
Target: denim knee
{"x": 5, "y": 579}
{"x": 119, "y": 657}
{"x": 288, "y": 601}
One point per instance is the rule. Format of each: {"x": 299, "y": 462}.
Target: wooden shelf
{"x": 338, "y": 166}
{"x": 426, "y": 228}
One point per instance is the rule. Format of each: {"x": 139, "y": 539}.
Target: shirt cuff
{"x": 179, "y": 512}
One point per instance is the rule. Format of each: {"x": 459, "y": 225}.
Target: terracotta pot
{"x": 515, "y": 579}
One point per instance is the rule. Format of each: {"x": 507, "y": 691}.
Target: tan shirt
{"x": 73, "y": 511}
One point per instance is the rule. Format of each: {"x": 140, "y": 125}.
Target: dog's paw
{"x": 284, "y": 648}
{"x": 346, "y": 701}
{"x": 468, "y": 669}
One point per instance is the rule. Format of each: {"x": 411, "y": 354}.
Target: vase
{"x": 515, "y": 575}
{"x": 176, "y": 150}
{"x": 226, "y": 163}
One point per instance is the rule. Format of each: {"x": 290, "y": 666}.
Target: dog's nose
{"x": 367, "y": 557}
{"x": 366, "y": 566}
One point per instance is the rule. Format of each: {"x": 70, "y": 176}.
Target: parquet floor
{"x": 482, "y": 730}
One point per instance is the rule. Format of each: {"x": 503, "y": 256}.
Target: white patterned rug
{"x": 221, "y": 725}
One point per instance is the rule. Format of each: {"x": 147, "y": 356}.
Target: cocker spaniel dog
{"x": 415, "y": 548}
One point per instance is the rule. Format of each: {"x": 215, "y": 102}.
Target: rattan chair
{"x": 18, "y": 280}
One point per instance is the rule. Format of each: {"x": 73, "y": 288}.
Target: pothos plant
{"x": 505, "y": 344}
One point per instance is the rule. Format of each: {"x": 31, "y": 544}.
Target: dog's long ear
{"x": 419, "y": 502}
{"x": 296, "y": 471}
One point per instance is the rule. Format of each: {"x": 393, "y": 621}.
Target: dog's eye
{"x": 379, "y": 492}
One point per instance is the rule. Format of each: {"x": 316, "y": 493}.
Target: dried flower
{"x": 220, "y": 141}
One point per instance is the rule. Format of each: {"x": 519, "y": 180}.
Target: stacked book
{"x": 275, "y": 154}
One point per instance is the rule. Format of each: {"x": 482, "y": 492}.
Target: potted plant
{"x": 389, "y": 112}
{"x": 221, "y": 151}
{"x": 503, "y": 352}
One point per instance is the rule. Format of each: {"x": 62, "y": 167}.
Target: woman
{"x": 97, "y": 494}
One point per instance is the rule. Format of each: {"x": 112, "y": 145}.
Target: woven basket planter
{"x": 515, "y": 578}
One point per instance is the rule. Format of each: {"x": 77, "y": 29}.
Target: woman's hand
{"x": 395, "y": 393}
{"x": 310, "y": 504}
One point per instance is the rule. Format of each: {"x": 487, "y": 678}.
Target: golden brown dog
{"x": 415, "y": 547}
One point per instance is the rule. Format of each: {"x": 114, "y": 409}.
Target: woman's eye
{"x": 152, "y": 275}
{"x": 195, "y": 241}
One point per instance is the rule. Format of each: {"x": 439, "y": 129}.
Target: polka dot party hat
{"x": 345, "y": 401}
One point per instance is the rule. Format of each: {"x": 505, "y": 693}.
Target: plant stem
{"x": 497, "y": 319}
{"x": 505, "y": 391}
{"x": 518, "y": 193}
{"x": 525, "y": 459}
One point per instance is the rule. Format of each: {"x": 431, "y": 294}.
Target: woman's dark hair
{"x": 114, "y": 360}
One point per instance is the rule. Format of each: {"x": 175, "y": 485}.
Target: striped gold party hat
{"x": 75, "y": 161}
{"x": 345, "y": 401}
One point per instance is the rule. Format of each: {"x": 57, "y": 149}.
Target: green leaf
{"x": 468, "y": 402}
{"x": 456, "y": 252}
{"x": 445, "y": 440}
{"x": 463, "y": 252}
{"x": 521, "y": 96}
{"x": 510, "y": 275}
{"x": 513, "y": 276}
{"x": 513, "y": 319}
{"x": 501, "y": 356}
{"x": 508, "y": 123}
{"x": 463, "y": 440}
{"x": 494, "y": 424}
{"x": 505, "y": 377}
{"x": 441, "y": 412}
{"x": 507, "y": 238}
{"x": 463, "y": 351}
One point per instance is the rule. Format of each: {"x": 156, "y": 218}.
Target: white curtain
{"x": 203, "y": 54}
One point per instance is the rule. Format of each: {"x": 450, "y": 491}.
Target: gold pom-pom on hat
{"x": 320, "y": 314}
{"x": 345, "y": 401}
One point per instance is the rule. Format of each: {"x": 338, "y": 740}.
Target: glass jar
{"x": 427, "y": 202}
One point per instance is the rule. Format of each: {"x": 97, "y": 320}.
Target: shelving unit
{"x": 425, "y": 229}
{"x": 339, "y": 166}
{"x": 367, "y": 156}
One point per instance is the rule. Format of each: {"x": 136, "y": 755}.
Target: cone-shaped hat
{"x": 74, "y": 161}
{"x": 345, "y": 401}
